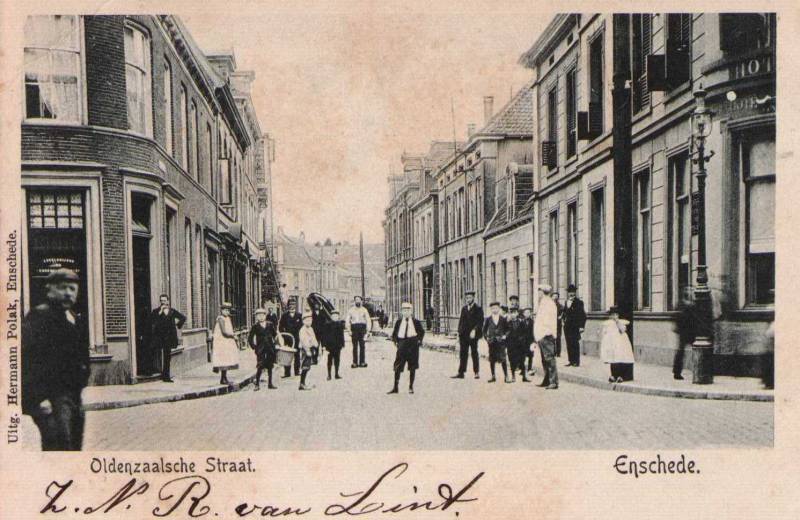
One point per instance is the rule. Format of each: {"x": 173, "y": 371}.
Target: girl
{"x": 616, "y": 349}
{"x": 226, "y": 353}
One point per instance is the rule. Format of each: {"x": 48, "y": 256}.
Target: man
{"x": 560, "y": 308}
{"x": 495, "y": 331}
{"x": 545, "y": 329}
{"x": 574, "y": 323}
{"x": 272, "y": 316}
{"x": 513, "y": 302}
{"x": 291, "y": 322}
{"x": 55, "y": 364}
{"x": 527, "y": 318}
{"x": 470, "y": 328}
{"x": 407, "y": 337}
{"x": 360, "y": 325}
{"x": 517, "y": 344}
{"x": 164, "y": 324}
{"x": 684, "y": 326}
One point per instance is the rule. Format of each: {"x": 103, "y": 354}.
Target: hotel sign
{"x": 753, "y": 66}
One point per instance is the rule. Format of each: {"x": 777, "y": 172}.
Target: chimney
{"x": 488, "y": 108}
{"x": 471, "y": 129}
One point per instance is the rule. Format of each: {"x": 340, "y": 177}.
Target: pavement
{"x": 648, "y": 379}
{"x": 355, "y": 413}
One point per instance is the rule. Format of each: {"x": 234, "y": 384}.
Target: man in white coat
{"x": 545, "y": 331}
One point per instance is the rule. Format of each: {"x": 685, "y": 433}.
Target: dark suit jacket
{"x": 495, "y": 333}
{"x": 334, "y": 335}
{"x": 574, "y": 316}
{"x": 292, "y": 325}
{"x": 417, "y": 326}
{"x": 471, "y": 319}
{"x": 55, "y": 356}
{"x": 164, "y": 329}
{"x": 262, "y": 339}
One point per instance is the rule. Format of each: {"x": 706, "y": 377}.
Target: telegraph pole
{"x": 624, "y": 281}
{"x": 361, "y": 258}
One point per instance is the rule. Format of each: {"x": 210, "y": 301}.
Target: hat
{"x": 571, "y": 288}
{"x": 514, "y": 309}
{"x": 504, "y": 307}
{"x": 513, "y": 297}
{"x": 469, "y": 293}
{"x": 545, "y": 287}
{"x": 62, "y": 275}
{"x": 406, "y": 305}
{"x": 260, "y": 310}
{"x": 613, "y": 309}
{"x": 494, "y": 304}
{"x": 226, "y": 305}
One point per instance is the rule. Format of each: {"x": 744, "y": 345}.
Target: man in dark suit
{"x": 470, "y": 329}
{"x": 291, "y": 322}
{"x": 407, "y": 336}
{"x": 164, "y": 324}
{"x": 55, "y": 364}
{"x": 574, "y": 323}
{"x": 495, "y": 331}
{"x": 560, "y": 323}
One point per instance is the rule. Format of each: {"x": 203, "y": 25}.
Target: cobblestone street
{"x": 444, "y": 414}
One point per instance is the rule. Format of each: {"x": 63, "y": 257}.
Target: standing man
{"x": 513, "y": 302}
{"x": 495, "y": 331}
{"x": 574, "y": 323}
{"x": 360, "y": 324}
{"x": 545, "y": 330}
{"x": 164, "y": 324}
{"x": 527, "y": 318}
{"x": 470, "y": 329}
{"x": 560, "y": 325}
{"x": 55, "y": 364}
{"x": 407, "y": 336}
{"x": 291, "y": 322}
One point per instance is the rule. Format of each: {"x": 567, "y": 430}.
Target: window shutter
{"x": 646, "y": 51}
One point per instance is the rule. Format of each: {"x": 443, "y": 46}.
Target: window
{"x": 596, "y": 82}
{"x": 679, "y": 231}
{"x": 464, "y": 282}
{"x": 758, "y": 169}
{"x": 480, "y": 279}
{"x": 210, "y": 145}
{"x": 170, "y": 251}
{"x": 197, "y": 284}
{"x": 168, "y": 107}
{"x": 643, "y": 239}
{"x": 550, "y": 147}
{"x": 571, "y": 112}
{"x": 494, "y": 281}
{"x": 642, "y": 43}
{"x": 552, "y": 252}
{"x": 572, "y": 243}
{"x": 184, "y": 135}
{"x": 743, "y": 32}
{"x": 137, "y": 80}
{"x": 471, "y": 274}
{"x": 531, "y": 281}
{"x": 479, "y": 202}
{"x": 679, "y": 48}
{"x": 516, "y": 276}
{"x": 597, "y": 244}
{"x": 193, "y": 128}
{"x": 504, "y": 278}
{"x": 187, "y": 252}
{"x": 52, "y": 68}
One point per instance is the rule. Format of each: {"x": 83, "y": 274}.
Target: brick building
{"x": 139, "y": 170}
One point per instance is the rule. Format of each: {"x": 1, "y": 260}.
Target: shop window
{"x": 679, "y": 227}
{"x": 758, "y": 169}
{"x": 52, "y": 68}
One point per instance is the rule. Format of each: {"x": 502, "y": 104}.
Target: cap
{"x": 494, "y": 304}
{"x": 226, "y": 305}
{"x": 514, "y": 309}
{"x": 545, "y": 287}
{"x": 571, "y": 288}
{"x": 469, "y": 293}
{"x": 62, "y": 275}
{"x": 613, "y": 309}
{"x": 406, "y": 305}
{"x": 260, "y": 310}
{"x": 504, "y": 307}
{"x": 513, "y": 297}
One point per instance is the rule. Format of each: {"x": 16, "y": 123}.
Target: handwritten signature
{"x": 190, "y": 495}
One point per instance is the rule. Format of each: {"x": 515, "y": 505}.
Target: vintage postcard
{"x": 480, "y": 260}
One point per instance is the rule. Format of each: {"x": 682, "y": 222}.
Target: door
{"x": 146, "y": 362}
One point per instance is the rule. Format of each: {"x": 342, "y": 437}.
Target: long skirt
{"x": 623, "y": 370}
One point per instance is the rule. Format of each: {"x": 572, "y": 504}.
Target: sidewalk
{"x": 648, "y": 379}
{"x": 197, "y": 383}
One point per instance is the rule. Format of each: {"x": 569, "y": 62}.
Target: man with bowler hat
{"x": 470, "y": 330}
{"x": 55, "y": 364}
{"x": 574, "y": 317}
{"x": 164, "y": 324}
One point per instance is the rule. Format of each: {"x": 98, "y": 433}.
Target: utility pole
{"x": 361, "y": 255}
{"x": 624, "y": 281}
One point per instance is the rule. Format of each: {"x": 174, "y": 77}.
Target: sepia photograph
{"x": 341, "y": 230}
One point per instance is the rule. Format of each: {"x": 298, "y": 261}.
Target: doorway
{"x": 147, "y": 362}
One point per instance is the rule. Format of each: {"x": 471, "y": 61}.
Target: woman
{"x": 616, "y": 348}
{"x": 262, "y": 338}
{"x": 226, "y": 353}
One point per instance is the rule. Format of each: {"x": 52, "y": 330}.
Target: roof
{"x": 515, "y": 118}
{"x": 523, "y": 203}
{"x": 440, "y": 152}
{"x": 544, "y": 43}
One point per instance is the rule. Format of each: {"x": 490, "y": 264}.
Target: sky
{"x": 345, "y": 89}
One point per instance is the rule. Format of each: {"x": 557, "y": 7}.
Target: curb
{"x": 210, "y": 392}
{"x": 645, "y": 390}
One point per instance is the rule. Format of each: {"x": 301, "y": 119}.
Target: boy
{"x": 307, "y": 344}
{"x": 495, "y": 331}
{"x": 334, "y": 342}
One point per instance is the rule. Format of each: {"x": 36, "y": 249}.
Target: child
{"x": 307, "y": 345}
{"x": 334, "y": 342}
{"x": 616, "y": 349}
{"x": 495, "y": 330}
{"x": 517, "y": 345}
{"x": 262, "y": 339}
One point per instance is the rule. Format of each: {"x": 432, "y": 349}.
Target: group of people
{"x": 510, "y": 334}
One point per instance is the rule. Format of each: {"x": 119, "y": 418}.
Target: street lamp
{"x": 703, "y": 346}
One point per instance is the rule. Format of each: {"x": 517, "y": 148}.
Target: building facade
{"x": 671, "y": 55}
{"x": 137, "y": 172}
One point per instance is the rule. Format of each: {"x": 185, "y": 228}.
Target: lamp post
{"x": 703, "y": 345}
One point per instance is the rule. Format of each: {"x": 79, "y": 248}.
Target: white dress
{"x": 225, "y": 355}
{"x": 615, "y": 345}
